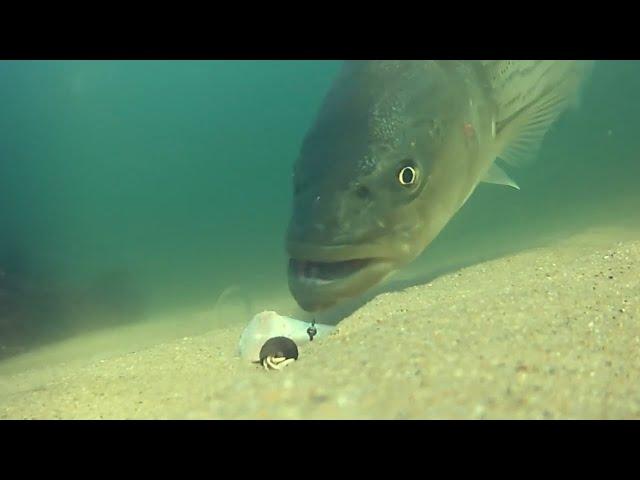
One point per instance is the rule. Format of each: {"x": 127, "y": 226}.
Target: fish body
{"x": 396, "y": 150}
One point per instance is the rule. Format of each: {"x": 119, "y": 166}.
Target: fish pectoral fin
{"x": 498, "y": 176}
{"x": 523, "y": 135}
{"x": 530, "y": 96}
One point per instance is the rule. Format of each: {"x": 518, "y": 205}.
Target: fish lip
{"x": 317, "y": 294}
{"x": 335, "y": 253}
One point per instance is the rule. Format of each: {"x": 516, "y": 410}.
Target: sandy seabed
{"x": 551, "y": 332}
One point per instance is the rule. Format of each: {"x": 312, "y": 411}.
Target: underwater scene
{"x": 315, "y": 239}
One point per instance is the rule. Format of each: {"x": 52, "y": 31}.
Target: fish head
{"x": 360, "y": 181}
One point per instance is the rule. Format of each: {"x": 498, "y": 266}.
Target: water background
{"x": 130, "y": 190}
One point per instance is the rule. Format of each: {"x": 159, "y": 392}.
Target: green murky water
{"x": 135, "y": 189}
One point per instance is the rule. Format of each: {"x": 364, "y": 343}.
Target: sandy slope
{"x": 551, "y": 332}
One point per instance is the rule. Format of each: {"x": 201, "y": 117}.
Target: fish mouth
{"x": 326, "y": 272}
{"x": 318, "y": 283}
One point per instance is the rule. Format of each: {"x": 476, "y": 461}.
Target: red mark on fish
{"x": 468, "y": 130}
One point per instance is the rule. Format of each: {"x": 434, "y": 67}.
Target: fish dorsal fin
{"x": 530, "y": 95}
{"x": 499, "y": 177}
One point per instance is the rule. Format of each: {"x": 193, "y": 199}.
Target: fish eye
{"x": 407, "y": 175}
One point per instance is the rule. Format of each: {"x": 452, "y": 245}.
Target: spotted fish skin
{"x": 353, "y": 223}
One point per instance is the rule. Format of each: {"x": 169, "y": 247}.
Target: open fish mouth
{"x": 325, "y": 272}
{"x": 317, "y": 285}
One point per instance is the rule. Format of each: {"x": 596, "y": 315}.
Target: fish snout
{"x": 316, "y": 222}
{"x": 312, "y": 231}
